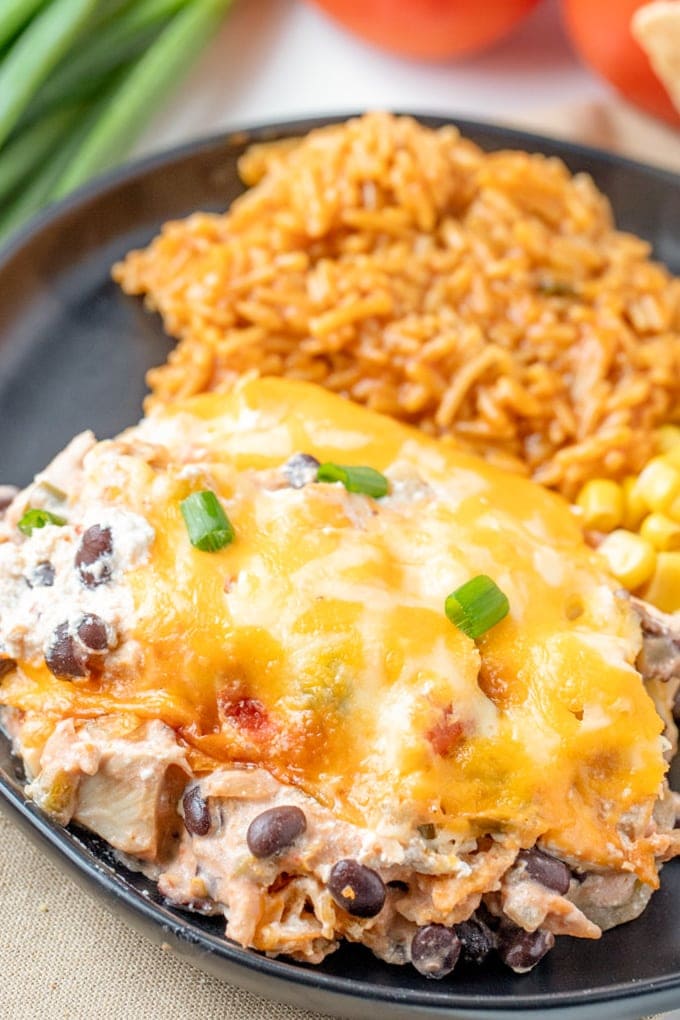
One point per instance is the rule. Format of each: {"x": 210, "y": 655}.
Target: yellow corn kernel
{"x": 668, "y": 437}
{"x": 634, "y": 506}
{"x": 658, "y": 483}
{"x": 661, "y": 531}
{"x": 673, "y": 510}
{"x": 602, "y": 503}
{"x": 630, "y": 558}
{"x": 672, "y": 456}
{"x": 663, "y": 590}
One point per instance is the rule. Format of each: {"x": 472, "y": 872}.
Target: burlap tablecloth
{"x": 64, "y": 956}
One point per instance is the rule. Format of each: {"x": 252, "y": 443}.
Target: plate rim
{"x": 270, "y": 130}
{"x": 63, "y": 839}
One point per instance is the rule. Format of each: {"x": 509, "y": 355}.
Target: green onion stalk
{"x": 144, "y": 88}
{"x": 79, "y": 81}
{"x": 39, "y": 48}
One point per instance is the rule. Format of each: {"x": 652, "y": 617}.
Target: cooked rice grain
{"x": 485, "y": 297}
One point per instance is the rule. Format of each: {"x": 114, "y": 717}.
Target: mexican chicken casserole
{"x": 314, "y": 671}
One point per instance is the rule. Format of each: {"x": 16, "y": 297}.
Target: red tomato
{"x": 431, "y": 29}
{"x": 601, "y": 33}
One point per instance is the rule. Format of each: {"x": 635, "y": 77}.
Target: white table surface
{"x": 281, "y": 59}
{"x": 276, "y": 59}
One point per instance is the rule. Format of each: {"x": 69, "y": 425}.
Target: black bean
{"x": 95, "y": 543}
{"x": 64, "y": 657}
{"x": 196, "y": 812}
{"x": 6, "y": 666}
{"x": 76, "y": 650}
{"x": 476, "y": 938}
{"x": 521, "y": 950}
{"x": 300, "y": 470}
{"x": 95, "y": 547}
{"x": 435, "y": 950}
{"x": 676, "y": 706}
{"x": 545, "y": 869}
{"x": 92, "y": 632}
{"x": 357, "y": 889}
{"x": 275, "y": 830}
{"x": 41, "y": 576}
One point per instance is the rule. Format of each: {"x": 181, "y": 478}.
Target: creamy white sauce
{"x": 30, "y": 615}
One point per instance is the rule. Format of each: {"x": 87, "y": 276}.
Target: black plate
{"x": 73, "y": 352}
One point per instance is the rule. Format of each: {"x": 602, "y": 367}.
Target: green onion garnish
{"x": 354, "y": 478}
{"x": 209, "y": 527}
{"x": 477, "y": 606}
{"x": 33, "y": 519}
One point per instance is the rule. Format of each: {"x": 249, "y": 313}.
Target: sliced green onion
{"x": 354, "y": 478}
{"x": 53, "y": 490}
{"x": 477, "y": 606}
{"x": 36, "y": 518}
{"x": 209, "y": 527}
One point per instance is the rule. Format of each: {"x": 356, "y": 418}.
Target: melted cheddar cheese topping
{"x": 316, "y": 644}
